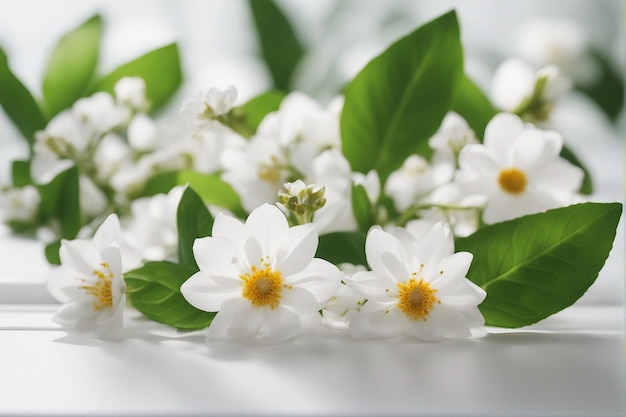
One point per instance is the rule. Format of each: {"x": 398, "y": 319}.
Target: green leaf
{"x": 245, "y": 119}
{"x": 213, "y": 191}
{"x": 587, "y": 185}
{"x": 395, "y": 104}
{"x": 154, "y": 290}
{"x": 52, "y": 253}
{"x": 210, "y": 187}
{"x": 71, "y": 67}
{"x": 20, "y": 172}
{"x": 342, "y": 247}
{"x": 362, "y": 208}
{"x": 160, "y": 184}
{"x": 537, "y": 265}
{"x": 159, "y": 68}
{"x": 194, "y": 221}
{"x": 60, "y": 201}
{"x": 18, "y": 103}
{"x": 280, "y": 46}
{"x": 474, "y": 106}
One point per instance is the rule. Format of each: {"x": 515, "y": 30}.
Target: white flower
{"x": 453, "y": 134}
{"x": 260, "y": 276}
{"x": 517, "y": 88}
{"x": 142, "y": 133}
{"x": 450, "y": 205}
{"x": 19, "y": 204}
{"x": 417, "y": 286}
{"x": 99, "y": 113}
{"x": 112, "y": 154}
{"x": 151, "y": 233}
{"x": 301, "y": 119}
{"x": 131, "y": 92}
{"x": 518, "y": 169}
{"x": 89, "y": 282}
{"x": 415, "y": 179}
{"x": 201, "y": 111}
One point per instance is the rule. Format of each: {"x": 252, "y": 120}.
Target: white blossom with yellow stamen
{"x": 518, "y": 169}
{"x": 260, "y": 276}
{"x": 417, "y": 287}
{"x": 89, "y": 282}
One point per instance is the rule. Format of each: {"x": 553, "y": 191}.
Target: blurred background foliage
{"x": 259, "y": 45}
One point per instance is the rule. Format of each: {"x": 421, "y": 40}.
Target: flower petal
{"x": 395, "y": 267}
{"x": 300, "y": 301}
{"x": 237, "y": 319}
{"x": 478, "y": 161}
{"x": 80, "y": 256}
{"x": 431, "y": 249}
{"x": 228, "y": 227}
{"x": 377, "y": 243}
{"x": 559, "y": 176}
{"x": 299, "y": 249}
{"x": 452, "y": 269}
{"x": 254, "y": 253}
{"x": 501, "y": 132}
{"x": 268, "y": 225}
{"x": 108, "y": 233}
{"x": 452, "y": 323}
{"x": 217, "y": 256}
{"x": 371, "y": 286}
{"x": 321, "y": 278}
{"x": 281, "y": 323}
{"x": 71, "y": 313}
{"x": 209, "y": 293}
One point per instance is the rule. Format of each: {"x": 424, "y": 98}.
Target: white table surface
{"x": 571, "y": 364}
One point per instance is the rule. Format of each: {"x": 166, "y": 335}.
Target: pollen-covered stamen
{"x": 416, "y": 298}
{"x": 101, "y": 289}
{"x": 512, "y": 180}
{"x": 263, "y": 286}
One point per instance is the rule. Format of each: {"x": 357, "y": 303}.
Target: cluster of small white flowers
{"x": 298, "y": 141}
{"x": 261, "y": 276}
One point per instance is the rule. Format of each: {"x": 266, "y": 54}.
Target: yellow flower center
{"x": 263, "y": 286}
{"x": 416, "y": 298}
{"x": 101, "y": 289}
{"x": 512, "y": 180}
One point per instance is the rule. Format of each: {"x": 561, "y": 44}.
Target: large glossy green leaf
{"x": 154, "y": 290}
{"x": 193, "y": 221}
{"x": 342, "y": 247}
{"x": 60, "y": 201}
{"x": 280, "y": 46}
{"x": 18, "y": 103}
{"x": 71, "y": 67}
{"x": 537, "y": 265}
{"x": 159, "y": 68}
{"x": 395, "y": 104}
{"x": 471, "y": 103}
